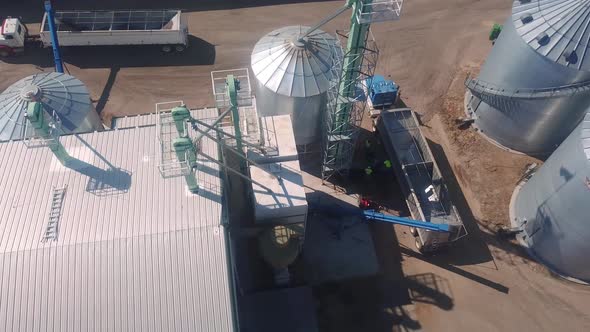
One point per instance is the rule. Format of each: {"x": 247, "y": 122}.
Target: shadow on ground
{"x": 478, "y": 240}
{"x": 380, "y": 302}
{"x": 199, "y": 52}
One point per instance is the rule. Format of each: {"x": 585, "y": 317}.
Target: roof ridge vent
{"x": 31, "y": 92}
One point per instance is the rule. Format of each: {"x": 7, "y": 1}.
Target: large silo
{"x": 293, "y": 75}
{"x": 534, "y": 87}
{"x": 59, "y": 94}
{"x": 554, "y": 207}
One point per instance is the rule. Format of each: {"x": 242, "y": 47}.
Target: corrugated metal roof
{"x": 134, "y": 251}
{"x": 292, "y": 68}
{"x": 143, "y": 120}
{"x": 557, "y": 29}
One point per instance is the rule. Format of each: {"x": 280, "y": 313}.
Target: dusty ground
{"x": 482, "y": 283}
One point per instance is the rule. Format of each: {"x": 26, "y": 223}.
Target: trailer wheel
{"x": 179, "y": 48}
{"x": 166, "y": 48}
{"x": 413, "y": 231}
{"x": 4, "y": 53}
{"x": 419, "y": 245}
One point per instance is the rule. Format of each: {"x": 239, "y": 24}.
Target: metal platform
{"x": 249, "y": 124}
{"x": 219, "y": 85}
{"x": 169, "y": 165}
{"x": 31, "y": 139}
{"x": 375, "y": 11}
{"x": 481, "y": 88}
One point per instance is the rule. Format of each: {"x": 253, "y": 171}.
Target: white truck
{"x": 165, "y": 28}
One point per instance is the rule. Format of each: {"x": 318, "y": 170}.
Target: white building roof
{"x": 286, "y": 203}
{"x": 134, "y": 251}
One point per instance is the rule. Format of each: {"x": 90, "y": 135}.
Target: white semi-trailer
{"x": 165, "y": 28}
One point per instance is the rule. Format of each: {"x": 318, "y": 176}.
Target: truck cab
{"x": 12, "y": 36}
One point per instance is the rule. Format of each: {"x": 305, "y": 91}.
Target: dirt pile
{"x": 486, "y": 172}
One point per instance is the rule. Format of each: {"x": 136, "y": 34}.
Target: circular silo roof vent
{"x": 543, "y": 39}
{"x": 571, "y": 56}
{"x": 526, "y": 18}
{"x": 31, "y": 93}
{"x": 555, "y": 27}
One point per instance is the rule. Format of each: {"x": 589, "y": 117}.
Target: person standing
{"x": 387, "y": 164}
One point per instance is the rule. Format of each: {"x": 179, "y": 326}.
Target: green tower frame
{"x": 346, "y": 105}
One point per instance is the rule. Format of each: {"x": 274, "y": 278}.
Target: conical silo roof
{"x": 557, "y": 29}
{"x": 62, "y": 93}
{"x": 292, "y": 67}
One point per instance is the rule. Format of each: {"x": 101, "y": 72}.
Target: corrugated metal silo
{"x": 62, "y": 93}
{"x": 292, "y": 77}
{"x": 535, "y": 85}
{"x": 555, "y": 203}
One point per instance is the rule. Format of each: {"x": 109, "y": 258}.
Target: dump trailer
{"x": 165, "y": 28}
{"x": 420, "y": 179}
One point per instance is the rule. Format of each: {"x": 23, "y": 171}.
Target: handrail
{"x": 482, "y": 87}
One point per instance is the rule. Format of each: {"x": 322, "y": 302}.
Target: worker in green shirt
{"x": 387, "y": 164}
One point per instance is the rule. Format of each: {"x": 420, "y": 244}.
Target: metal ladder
{"x": 57, "y": 198}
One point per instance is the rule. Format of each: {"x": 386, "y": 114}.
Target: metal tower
{"x": 346, "y": 103}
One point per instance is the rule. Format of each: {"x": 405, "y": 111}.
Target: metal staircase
{"x": 510, "y": 101}
{"x": 345, "y": 109}
{"x": 52, "y": 229}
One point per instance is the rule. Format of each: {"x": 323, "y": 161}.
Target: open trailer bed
{"x": 118, "y": 27}
{"x": 420, "y": 179}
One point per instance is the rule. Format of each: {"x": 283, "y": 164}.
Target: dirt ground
{"x": 482, "y": 283}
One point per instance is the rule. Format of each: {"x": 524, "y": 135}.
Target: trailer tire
{"x": 413, "y": 231}
{"x": 167, "y": 49}
{"x": 419, "y": 245}
{"x": 179, "y": 48}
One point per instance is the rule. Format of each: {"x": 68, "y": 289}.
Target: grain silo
{"x": 553, "y": 207}
{"x": 535, "y": 85}
{"x": 59, "y": 94}
{"x": 293, "y": 76}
